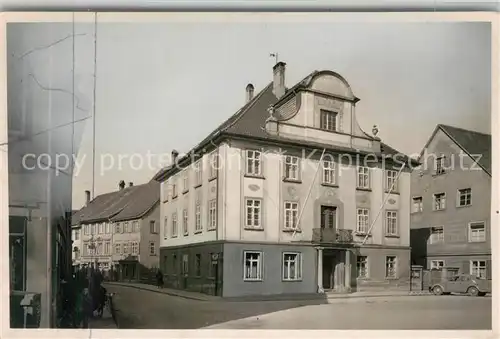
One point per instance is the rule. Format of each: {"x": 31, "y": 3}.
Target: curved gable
{"x": 332, "y": 83}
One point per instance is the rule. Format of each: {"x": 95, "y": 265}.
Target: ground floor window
{"x": 478, "y": 268}
{"x": 436, "y": 264}
{"x": 185, "y": 264}
{"x": 252, "y": 265}
{"x": 292, "y": 266}
{"x": 391, "y": 267}
{"x": 197, "y": 265}
{"x": 362, "y": 267}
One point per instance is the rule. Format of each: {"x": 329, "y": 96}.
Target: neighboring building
{"x": 450, "y": 219}
{"x": 230, "y": 209}
{"x": 76, "y": 236}
{"x": 119, "y": 226}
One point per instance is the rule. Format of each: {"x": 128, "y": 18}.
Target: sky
{"x": 163, "y": 86}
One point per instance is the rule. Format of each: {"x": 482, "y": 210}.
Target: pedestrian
{"x": 87, "y": 307}
{"x": 159, "y": 279}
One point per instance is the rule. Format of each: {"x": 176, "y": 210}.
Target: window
{"x": 101, "y": 228}
{"x": 125, "y": 248}
{"x": 439, "y": 201}
{"x": 117, "y": 248}
{"x": 291, "y": 215}
{"x": 126, "y": 226}
{"x": 253, "y": 165}
{"x": 77, "y": 235}
{"x": 185, "y": 229}
{"x": 94, "y": 229}
{"x": 135, "y": 248}
{"x": 99, "y": 248}
{"x": 185, "y": 181}
{"x": 197, "y": 265}
{"x": 391, "y": 181}
{"x": 197, "y": 212}
{"x": 363, "y": 220}
{"x": 165, "y": 228}
{"x": 477, "y": 232}
{"x": 174, "y": 187}
{"x": 253, "y": 209}
{"x": 292, "y": 167}
{"x": 417, "y": 205}
{"x": 212, "y": 214}
{"x": 108, "y": 228}
{"x": 198, "y": 173}
{"x": 253, "y": 266}
{"x": 437, "y": 235}
{"x": 390, "y": 267}
{"x": 329, "y": 172}
{"x": 440, "y": 165}
{"x": 391, "y": 223}
{"x": 464, "y": 197}
{"x": 362, "y": 267}
{"x": 363, "y": 177}
{"x": 328, "y": 217}
{"x": 328, "y": 120}
{"x": 152, "y": 248}
{"x": 292, "y": 266}
{"x": 214, "y": 164}
{"x": 478, "y": 268}
{"x": 77, "y": 254}
{"x": 137, "y": 227}
{"x": 152, "y": 227}
{"x": 117, "y": 227}
{"x": 437, "y": 264}
{"x": 174, "y": 224}
{"x": 185, "y": 264}
{"x": 107, "y": 247}
{"x": 212, "y": 269}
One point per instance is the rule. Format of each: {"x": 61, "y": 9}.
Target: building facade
{"x": 288, "y": 196}
{"x": 119, "y": 226}
{"x": 451, "y": 202}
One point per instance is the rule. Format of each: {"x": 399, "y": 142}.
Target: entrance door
{"x": 328, "y": 262}
{"x": 328, "y": 217}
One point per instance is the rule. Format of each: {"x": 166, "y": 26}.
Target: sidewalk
{"x": 206, "y": 297}
{"x": 106, "y": 322}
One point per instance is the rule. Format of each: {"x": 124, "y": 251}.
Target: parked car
{"x": 462, "y": 284}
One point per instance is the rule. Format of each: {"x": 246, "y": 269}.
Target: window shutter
{"x": 488, "y": 269}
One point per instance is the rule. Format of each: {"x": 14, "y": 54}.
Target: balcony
{"x": 332, "y": 235}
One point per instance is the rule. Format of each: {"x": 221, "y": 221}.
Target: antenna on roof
{"x": 275, "y": 55}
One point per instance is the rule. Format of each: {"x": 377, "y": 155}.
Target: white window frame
{"x": 107, "y": 227}
{"x": 286, "y": 266}
{"x": 253, "y": 207}
{"x": 253, "y": 162}
{"x": 214, "y": 164}
{"x": 390, "y": 177}
{"x": 125, "y": 248}
{"x": 395, "y": 263}
{"x": 117, "y": 248}
{"x": 136, "y": 226}
{"x": 259, "y": 262}
{"x": 153, "y": 227}
{"x": 185, "y": 221}
{"x": 152, "y": 248}
{"x": 436, "y": 264}
{"x": 366, "y": 270}
{"x": 439, "y": 238}
{"x": 440, "y": 165}
{"x": 212, "y": 214}
{"x": 476, "y": 267}
{"x": 292, "y": 168}
{"x": 362, "y": 220}
{"x": 466, "y": 195}
{"x": 442, "y": 205}
{"x": 329, "y": 172}
{"x": 391, "y": 215}
{"x": 198, "y": 226}
{"x": 174, "y": 225}
{"x": 135, "y": 248}
{"x": 77, "y": 234}
{"x": 185, "y": 180}
{"x": 291, "y": 215}
{"x": 165, "y": 228}
{"x": 472, "y": 238}
{"x": 417, "y": 207}
{"x": 363, "y": 177}
{"x": 329, "y": 120}
{"x": 174, "y": 187}
{"x": 198, "y": 172}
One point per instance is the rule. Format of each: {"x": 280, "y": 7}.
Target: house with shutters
{"x": 119, "y": 227}
{"x": 451, "y": 202}
{"x": 289, "y": 195}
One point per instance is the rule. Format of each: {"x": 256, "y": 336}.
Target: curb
{"x": 157, "y": 291}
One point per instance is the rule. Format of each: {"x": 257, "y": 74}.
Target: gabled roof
{"x": 128, "y": 203}
{"x": 471, "y": 142}
{"x": 250, "y": 122}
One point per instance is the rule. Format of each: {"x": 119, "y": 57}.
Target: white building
{"x": 233, "y": 229}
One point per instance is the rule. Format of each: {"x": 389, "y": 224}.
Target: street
{"x": 138, "y": 309}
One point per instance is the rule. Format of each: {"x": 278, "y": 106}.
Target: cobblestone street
{"x": 140, "y": 309}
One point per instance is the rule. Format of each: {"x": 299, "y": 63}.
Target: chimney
{"x": 130, "y": 184}
{"x": 279, "y": 79}
{"x": 175, "y": 154}
{"x": 249, "y": 91}
{"x": 121, "y": 185}
{"x": 87, "y": 197}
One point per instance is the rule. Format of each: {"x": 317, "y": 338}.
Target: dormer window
{"x": 328, "y": 121}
